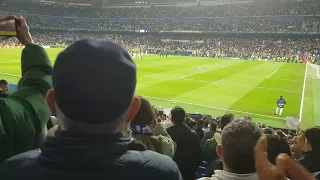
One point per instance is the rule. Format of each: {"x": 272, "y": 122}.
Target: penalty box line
{"x": 219, "y": 67}
{"x": 212, "y": 107}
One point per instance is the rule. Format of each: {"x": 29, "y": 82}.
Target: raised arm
{"x": 27, "y": 106}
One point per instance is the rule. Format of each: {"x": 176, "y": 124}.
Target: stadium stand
{"x": 92, "y": 141}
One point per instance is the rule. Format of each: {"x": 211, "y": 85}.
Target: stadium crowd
{"x": 255, "y": 8}
{"x": 206, "y": 46}
{"x": 111, "y": 133}
{"x": 279, "y": 16}
{"x": 309, "y": 24}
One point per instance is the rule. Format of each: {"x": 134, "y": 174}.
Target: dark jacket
{"x": 207, "y": 135}
{"x": 200, "y": 133}
{"x": 188, "y": 154}
{"x": 311, "y": 161}
{"x": 24, "y": 114}
{"x": 71, "y": 156}
{"x": 209, "y": 150}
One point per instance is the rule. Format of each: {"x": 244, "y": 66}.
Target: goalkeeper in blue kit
{"x": 280, "y": 105}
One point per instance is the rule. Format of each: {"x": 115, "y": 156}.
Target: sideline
{"x": 212, "y": 107}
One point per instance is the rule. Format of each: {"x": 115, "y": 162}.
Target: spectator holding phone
{"x": 24, "y": 114}
{"x": 90, "y": 142}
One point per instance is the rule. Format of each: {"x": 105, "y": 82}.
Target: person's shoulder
{"x": 20, "y": 161}
{"x": 209, "y": 178}
{"x": 211, "y": 140}
{"x": 194, "y": 133}
{"x": 150, "y": 160}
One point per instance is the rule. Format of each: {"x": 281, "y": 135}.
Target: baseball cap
{"x": 94, "y": 81}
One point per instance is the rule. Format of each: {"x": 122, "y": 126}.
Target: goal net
{"x": 313, "y": 71}
{"x": 310, "y": 103}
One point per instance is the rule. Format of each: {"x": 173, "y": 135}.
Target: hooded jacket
{"x": 161, "y": 142}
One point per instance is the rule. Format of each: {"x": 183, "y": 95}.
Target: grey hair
{"x": 112, "y": 127}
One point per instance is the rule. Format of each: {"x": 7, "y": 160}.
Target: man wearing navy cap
{"x": 90, "y": 143}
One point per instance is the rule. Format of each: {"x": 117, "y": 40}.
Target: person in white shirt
{"x": 236, "y": 151}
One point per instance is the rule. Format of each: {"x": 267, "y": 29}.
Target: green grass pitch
{"x": 214, "y": 86}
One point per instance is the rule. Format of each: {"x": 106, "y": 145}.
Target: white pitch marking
{"x": 8, "y": 62}
{"x": 212, "y": 107}
{"x": 241, "y": 85}
{"x": 272, "y": 73}
{"x": 207, "y": 70}
{"x": 303, "y": 91}
{"x": 10, "y": 74}
{"x": 200, "y": 68}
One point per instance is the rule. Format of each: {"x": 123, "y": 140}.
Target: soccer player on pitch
{"x": 280, "y": 105}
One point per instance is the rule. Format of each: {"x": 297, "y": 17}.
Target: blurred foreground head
{"x": 3, "y": 85}
{"x": 312, "y": 139}
{"x": 93, "y": 88}
{"x": 276, "y": 146}
{"x": 146, "y": 114}
{"x": 3, "y": 88}
{"x": 238, "y": 140}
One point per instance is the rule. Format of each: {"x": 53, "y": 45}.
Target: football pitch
{"x": 216, "y": 86}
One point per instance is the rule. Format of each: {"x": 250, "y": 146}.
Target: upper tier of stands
{"x": 275, "y": 8}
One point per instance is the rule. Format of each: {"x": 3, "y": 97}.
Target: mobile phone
{"x": 8, "y": 28}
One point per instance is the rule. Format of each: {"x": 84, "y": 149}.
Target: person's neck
{"x": 225, "y": 168}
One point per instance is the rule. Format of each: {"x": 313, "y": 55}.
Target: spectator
{"x": 236, "y": 151}
{"x": 209, "y": 149}
{"x": 285, "y": 166}
{"x": 311, "y": 150}
{"x": 217, "y": 164}
{"x": 209, "y": 134}
{"x": 4, "y": 85}
{"x": 3, "y": 89}
{"x": 89, "y": 143}
{"x": 192, "y": 124}
{"x": 165, "y": 121}
{"x": 267, "y": 130}
{"x": 225, "y": 120}
{"x": 24, "y": 114}
{"x": 295, "y": 149}
{"x": 276, "y": 146}
{"x": 153, "y": 135}
{"x": 199, "y": 127}
{"x": 188, "y": 154}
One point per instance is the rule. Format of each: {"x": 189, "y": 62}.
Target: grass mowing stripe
{"x": 212, "y": 107}
{"x": 241, "y": 85}
{"x": 283, "y": 79}
{"x": 10, "y": 74}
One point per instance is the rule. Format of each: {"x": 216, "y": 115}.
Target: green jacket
{"x": 24, "y": 114}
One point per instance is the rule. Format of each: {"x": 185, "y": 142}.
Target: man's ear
{"x": 219, "y": 151}
{"x": 51, "y": 101}
{"x": 134, "y": 108}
